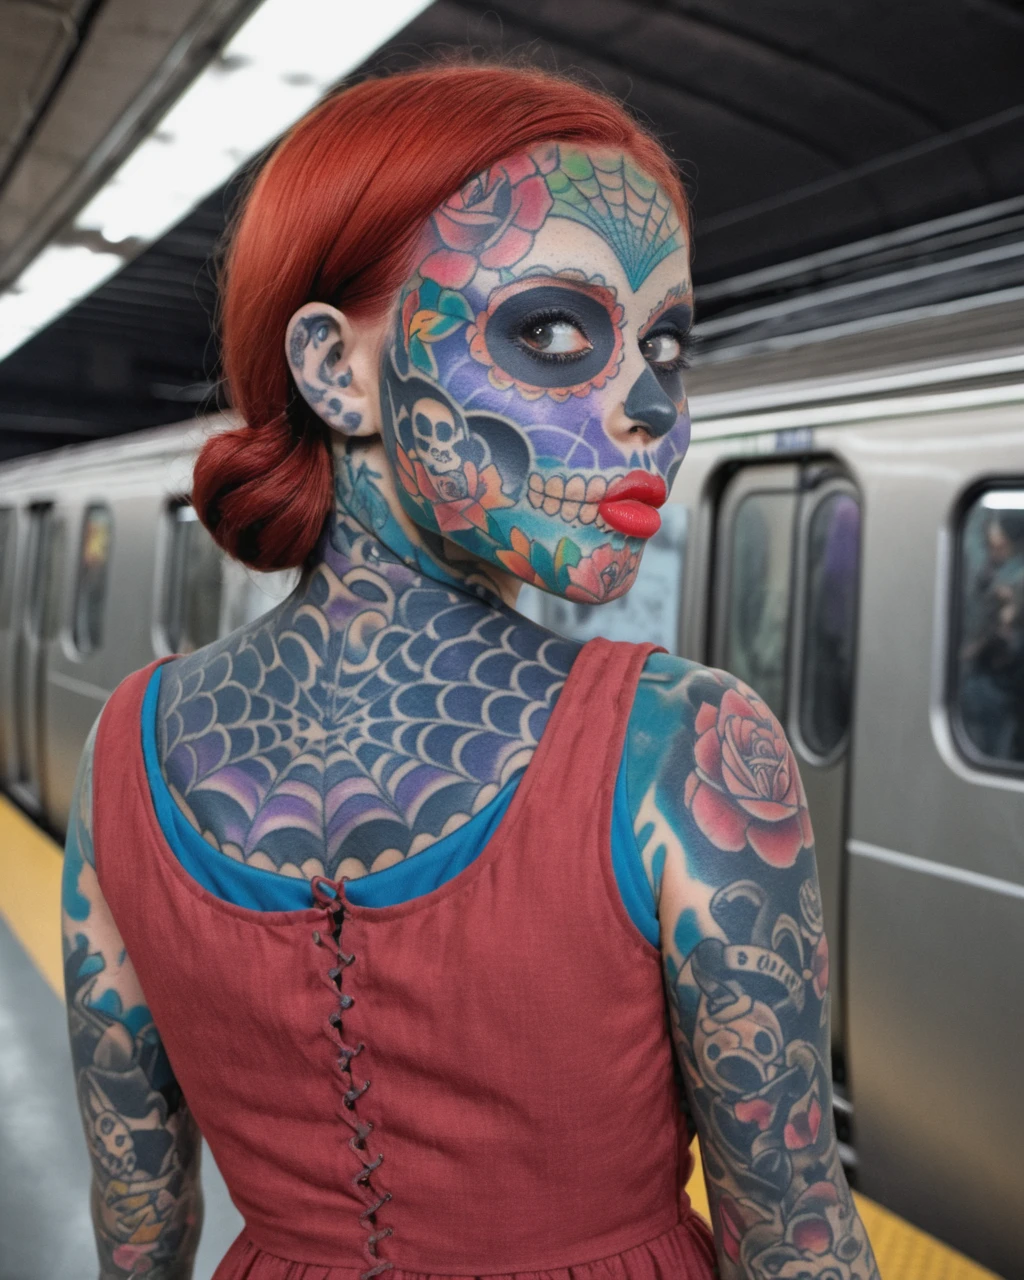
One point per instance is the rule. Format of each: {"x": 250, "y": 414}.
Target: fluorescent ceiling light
{"x": 58, "y": 277}
{"x": 285, "y": 57}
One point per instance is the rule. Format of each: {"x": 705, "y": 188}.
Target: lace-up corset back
{"x": 475, "y": 1082}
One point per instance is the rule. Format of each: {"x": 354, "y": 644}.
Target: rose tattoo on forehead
{"x": 502, "y": 374}
{"x": 490, "y": 223}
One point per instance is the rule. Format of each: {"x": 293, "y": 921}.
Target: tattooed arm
{"x": 144, "y": 1145}
{"x": 723, "y": 829}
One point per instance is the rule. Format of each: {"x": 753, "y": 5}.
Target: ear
{"x": 334, "y": 364}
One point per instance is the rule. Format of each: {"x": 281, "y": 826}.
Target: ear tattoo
{"x": 315, "y": 350}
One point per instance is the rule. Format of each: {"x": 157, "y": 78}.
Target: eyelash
{"x": 685, "y": 340}
{"x": 552, "y": 316}
{"x": 555, "y": 314}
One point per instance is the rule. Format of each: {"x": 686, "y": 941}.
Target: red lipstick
{"x": 629, "y": 504}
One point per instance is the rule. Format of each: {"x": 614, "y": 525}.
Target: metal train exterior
{"x": 826, "y": 540}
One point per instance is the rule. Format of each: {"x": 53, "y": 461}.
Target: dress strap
{"x": 561, "y": 817}
{"x": 586, "y": 733}
{"x": 117, "y": 766}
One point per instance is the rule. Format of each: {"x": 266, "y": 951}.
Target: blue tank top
{"x": 260, "y": 890}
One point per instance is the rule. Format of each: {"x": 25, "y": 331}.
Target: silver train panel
{"x": 937, "y": 1041}
{"x": 935, "y": 962}
{"x": 927, "y": 970}
{"x": 51, "y": 690}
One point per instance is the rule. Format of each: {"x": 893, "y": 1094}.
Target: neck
{"x": 367, "y": 513}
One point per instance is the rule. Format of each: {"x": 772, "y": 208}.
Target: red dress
{"x": 476, "y": 1082}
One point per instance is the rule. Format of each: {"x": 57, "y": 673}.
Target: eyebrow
{"x": 674, "y": 306}
{"x": 676, "y": 302}
{"x": 566, "y": 275}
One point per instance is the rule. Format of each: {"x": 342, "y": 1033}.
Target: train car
{"x": 846, "y": 535}
{"x": 103, "y": 566}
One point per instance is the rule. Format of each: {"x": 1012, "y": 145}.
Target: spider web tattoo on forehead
{"x": 612, "y": 197}
{"x": 379, "y": 713}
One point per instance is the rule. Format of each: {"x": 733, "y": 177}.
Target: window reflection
{"x": 989, "y": 694}
{"x": 44, "y": 547}
{"x": 193, "y": 584}
{"x": 760, "y": 571}
{"x": 6, "y": 564}
{"x": 91, "y": 590}
{"x": 833, "y": 552}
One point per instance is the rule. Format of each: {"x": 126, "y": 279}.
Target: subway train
{"x": 846, "y": 535}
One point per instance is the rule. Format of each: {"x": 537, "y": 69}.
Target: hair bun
{"x": 264, "y": 494}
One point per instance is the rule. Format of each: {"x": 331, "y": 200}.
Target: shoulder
{"x": 79, "y": 845}
{"x": 708, "y": 761}
{"x": 227, "y": 669}
{"x": 678, "y": 702}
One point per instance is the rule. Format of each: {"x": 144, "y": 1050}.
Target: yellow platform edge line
{"x": 30, "y": 872}
{"x": 903, "y": 1252}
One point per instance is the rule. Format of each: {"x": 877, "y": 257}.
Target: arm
{"x": 723, "y": 829}
{"x": 144, "y": 1145}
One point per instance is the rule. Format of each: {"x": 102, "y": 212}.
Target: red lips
{"x": 629, "y": 504}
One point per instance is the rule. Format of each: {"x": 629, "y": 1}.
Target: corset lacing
{"x": 330, "y": 896}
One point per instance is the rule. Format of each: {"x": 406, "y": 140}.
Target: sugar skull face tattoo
{"x": 532, "y": 394}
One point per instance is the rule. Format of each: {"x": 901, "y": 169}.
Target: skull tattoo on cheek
{"x": 437, "y": 437}
{"x": 498, "y": 443}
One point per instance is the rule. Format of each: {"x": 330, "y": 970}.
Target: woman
{"x": 379, "y": 891}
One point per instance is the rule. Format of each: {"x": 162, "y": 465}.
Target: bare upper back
{"x": 371, "y": 713}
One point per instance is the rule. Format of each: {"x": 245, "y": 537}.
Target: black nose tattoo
{"x": 648, "y": 403}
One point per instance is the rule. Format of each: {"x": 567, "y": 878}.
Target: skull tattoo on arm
{"x": 142, "y": 1139}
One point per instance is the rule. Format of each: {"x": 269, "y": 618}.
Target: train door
{"x": 39, "y": 566}
{"x": 783, "y": 619}
{"x": 935, "y": 877}
{"x": 8, "y": 529}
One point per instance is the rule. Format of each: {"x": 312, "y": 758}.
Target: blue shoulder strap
{"x": 260, "y": 890}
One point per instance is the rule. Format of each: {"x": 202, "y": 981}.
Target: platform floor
{"x": 45, "y": 1228}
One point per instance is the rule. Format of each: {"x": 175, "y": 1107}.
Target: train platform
{"x": 45, "y": 1227}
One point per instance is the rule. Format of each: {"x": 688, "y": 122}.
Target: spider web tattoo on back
{"x": 359, "y": 722}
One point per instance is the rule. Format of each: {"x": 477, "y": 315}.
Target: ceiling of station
{"x": 798, "y": 126}
{"x": 80, "y": 80}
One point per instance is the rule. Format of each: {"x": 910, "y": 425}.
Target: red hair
{"x": 335, "y": 215}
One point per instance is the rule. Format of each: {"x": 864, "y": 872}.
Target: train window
{"x": 193, "y": 583}
{"x": 759, "y": 578}
{"x": 55, "y": 555}
{"x": 41, "y": 565}
{"x": 830, "y": 611}
{"x": 988, "y": 668}
{"x": 6, "y": 564}
{"x": 91, "y": 588}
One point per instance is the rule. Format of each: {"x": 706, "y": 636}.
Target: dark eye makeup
{"x": 545, "y": 306}
{"x": 544, "y": 331}
{"x": 666, "y": 346}
{"x": 666, "y": 349}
